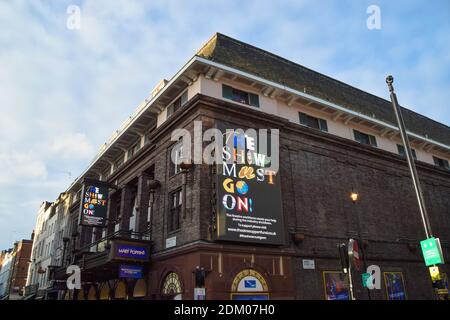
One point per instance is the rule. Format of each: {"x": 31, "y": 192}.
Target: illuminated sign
{"x": 247, "y": 194}
{"x": 129, "y": 251}
{"x": 94, "y": 203}
{"x": 132, "y": 272}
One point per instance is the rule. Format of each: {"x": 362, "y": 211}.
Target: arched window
{"x": 249, "y": 284}
{"x": 140, "y": 289}
{"x": 92, "y": 294}
{"x": 104, "y": 292}
{"x": 172, "y": 288}
{"x": 121, "y": 291}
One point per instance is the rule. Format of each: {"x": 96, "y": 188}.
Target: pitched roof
{"x": 239, "y": 55}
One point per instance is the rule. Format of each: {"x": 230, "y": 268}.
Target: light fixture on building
{"x": 354, "y": 196}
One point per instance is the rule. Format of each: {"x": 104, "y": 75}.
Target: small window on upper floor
{"x": 177, "y": 104}
{"x": 401, "y": 151}
{"x": 441, "y": 163}
{"x": 240, "y": 96}
{"x": 313, "y": 122}
{"x": 365, "y": 138}
{"x": 177, "y": 152}
{"x": 135, "y": 148}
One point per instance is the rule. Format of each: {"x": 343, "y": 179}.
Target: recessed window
{"x": 401, "y": 151}
{"x": 313, "y": 122}
{"x": 365, "y": 138}
{"x": 175, "y": 199}
{"x": 176, "y": 153}
{"x": 441, "y": 162}
{"x": 177, "y": 104}
{"x": 132, "y": 151}
{"x": 119, "y": 161}
{"x": 240, "y": 96}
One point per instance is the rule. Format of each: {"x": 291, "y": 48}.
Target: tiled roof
{"x": 239, "y": 55}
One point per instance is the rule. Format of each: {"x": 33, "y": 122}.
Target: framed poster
{"x": 335, "y": 285}
{"x": 395, "y": 285}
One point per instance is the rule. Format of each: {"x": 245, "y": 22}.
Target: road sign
{"x": 353, "y": 254}
{"x": 432, "y": 252}
{"x": 435, "y": 274}
{"x": 365, "y": 278}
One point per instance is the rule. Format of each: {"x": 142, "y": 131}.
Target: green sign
{"x": 432, "y": 252}
{"x": 365, "y": 278}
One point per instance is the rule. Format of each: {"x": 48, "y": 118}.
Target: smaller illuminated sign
{"x": 131, "y": 252}
{"x": 133, "y": 272}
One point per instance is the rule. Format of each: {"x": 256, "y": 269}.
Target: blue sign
{"x": 250, "y": 284}
{"x": 134, "y": 272}
{"x": 131, "y": 252}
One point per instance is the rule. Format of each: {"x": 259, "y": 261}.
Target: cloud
{"x": 72, "y": 146}
{"x": 15, "y": 166}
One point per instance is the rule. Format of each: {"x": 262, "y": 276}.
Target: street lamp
{"x": 354, "y": 196}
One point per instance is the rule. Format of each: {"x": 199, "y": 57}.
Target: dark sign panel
{"x": 129, "y": 251}
{"x": 248, "y": 197}
{"x": 133, "y": 272}
{"x": 94, "y": 203}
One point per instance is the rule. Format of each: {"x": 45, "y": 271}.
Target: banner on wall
{"x": 94, "y": 203}
{"x": 247, "y": 193}
{"x": 336, "y": 287}
{"x": 395, "y": 286}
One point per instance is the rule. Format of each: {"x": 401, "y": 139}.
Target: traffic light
{"x": 343, "y": 255}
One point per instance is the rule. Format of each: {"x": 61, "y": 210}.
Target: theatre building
{"x": 144, "y": 227}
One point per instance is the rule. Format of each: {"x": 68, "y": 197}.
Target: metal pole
{"x": 361, "y": 246}
{"x": 350, "y": 282}
{"x": 409, "y": 158}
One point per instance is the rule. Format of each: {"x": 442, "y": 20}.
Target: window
{"x": 441, "y": 162}
{"x": 365, "y": 138}
{"x": 313, "y": 122}
{"x": 118, "y": 162}
{"x": 175, "y": 210}
{"x": 401, "y": 151}
{"x": 240, "y": 96}
{"x": 133, "y": 150}
{"x": 176, "y": 153}
{"x": 177, "y": 104}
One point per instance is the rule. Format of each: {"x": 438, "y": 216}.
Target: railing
{"x": 102, "y": 244}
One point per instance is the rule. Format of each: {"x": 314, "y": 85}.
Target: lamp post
{"x": 153, "y": 185}
{"x": 354, "y": 196}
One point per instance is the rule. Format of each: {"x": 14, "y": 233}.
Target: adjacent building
{"x": 14, "y": 270}
{"x": 246, "y": 232}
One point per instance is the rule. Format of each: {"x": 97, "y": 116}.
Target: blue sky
{"x": 63, "y": 92}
